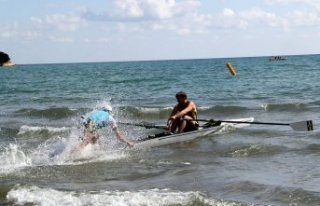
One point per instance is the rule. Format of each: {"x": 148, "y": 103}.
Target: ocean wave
{"x": 43, "y": 131}
{"x": 223, "y": 110}
{"x": 8, "y": 132}
{"x": 164, "y": 112}
{"x": 50, "y": 113}
{"x": 275, "y": 195}
{"x": 144, "y": 112}
{"x": 293, "y": 196}
{"x": 285, "y": 107}
{"x": 13, "y": 158}
{"x": 48, "y": 196}
{"x": 256, "y": 150}
{"x": 130, "y": 80}
{"x": 312, "y": 149}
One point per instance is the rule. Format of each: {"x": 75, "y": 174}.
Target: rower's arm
{"x": 189, "y": 108}
{"x": 174, "y": 111}
{"x": 121, "y": 137}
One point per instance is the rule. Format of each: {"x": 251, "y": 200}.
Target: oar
{"x": 147, "y": 125}
{"x": 297, "y": 126}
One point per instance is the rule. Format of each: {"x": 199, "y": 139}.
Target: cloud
{"x": 8, "y": 30}
{"x": 257, "y": 16}
{"x": 145, "y": 10}
{"x": 128, "y": 9}
{"x": 312, "y": 3}
{"x": 308, "y": 14}
{"x": 61, "y": 39}
{"x": 186, "y": 17}
{"x": 303, "y": 18}
{"x": 228, "y": 12}
{"x": 61, "y": 22}
{"x": 228, "y": 19}
{"x": 39, "y": 27}
{"x": 14, "y": 30}
{"x": 181, "y": 17}
{"x": 8, "y": 33}
{"x": 305, "y": 6}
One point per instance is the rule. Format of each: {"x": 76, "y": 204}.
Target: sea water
{"x": 40, "y": 124}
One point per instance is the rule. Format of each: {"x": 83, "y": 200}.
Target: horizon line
{"x": 182, "y": 59}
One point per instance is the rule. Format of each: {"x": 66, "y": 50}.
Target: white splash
{"x": 13, "y": 159}
{"x": 33, "y": 129}
{"x": 55, "y": 151}
{"x": 153, "y": 197}
{"x": 265, "y": 106}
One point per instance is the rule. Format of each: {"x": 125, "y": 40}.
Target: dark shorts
{"x": 191, "y": 126}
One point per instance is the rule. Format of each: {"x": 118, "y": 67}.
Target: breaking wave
{"x": 162, "y": 112}
{"x": 50, "y": 113}
{"x": 42, "y": 131}
{"x": 157, "y": 197}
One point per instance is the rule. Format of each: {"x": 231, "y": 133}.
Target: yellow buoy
{"x": 231, "y": 69}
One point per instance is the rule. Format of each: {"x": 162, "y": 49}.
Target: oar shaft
{"x": 148, "y": 126}
{"x": 243, "y": 122}
{"x": 133, "y": 124}
{"x": 297, "y": 126}
{"x": 267, "y": 123}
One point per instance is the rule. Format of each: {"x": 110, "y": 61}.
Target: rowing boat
{"x": 188, "y": 136}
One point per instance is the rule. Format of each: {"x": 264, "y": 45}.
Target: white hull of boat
{"x": 188, "y": 136}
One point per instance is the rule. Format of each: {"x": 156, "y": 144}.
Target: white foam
{"x": 204, "y": 107}
{"x": 26, "y": 129}
{"x": 238, "y": 125}
{"x": 264, "y": 106}
{"x": 102, "y": 103}
{"x": 96, "y": 153}
{"x": 152, "y": 197}
{"x": 13, "y": 159}
{"x": 149, "y": 109}
{"x": 55, "y": 151}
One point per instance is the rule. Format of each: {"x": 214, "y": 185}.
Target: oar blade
{"x": 302, "y": 126}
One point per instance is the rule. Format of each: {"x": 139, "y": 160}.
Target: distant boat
{"x": 278, "y": 58}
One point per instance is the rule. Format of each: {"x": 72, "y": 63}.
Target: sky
{"x": 59, "y": 31}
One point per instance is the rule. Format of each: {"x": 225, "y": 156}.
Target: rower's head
{"x": 106, "y": 107}
{"x": 181, "y": 97}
